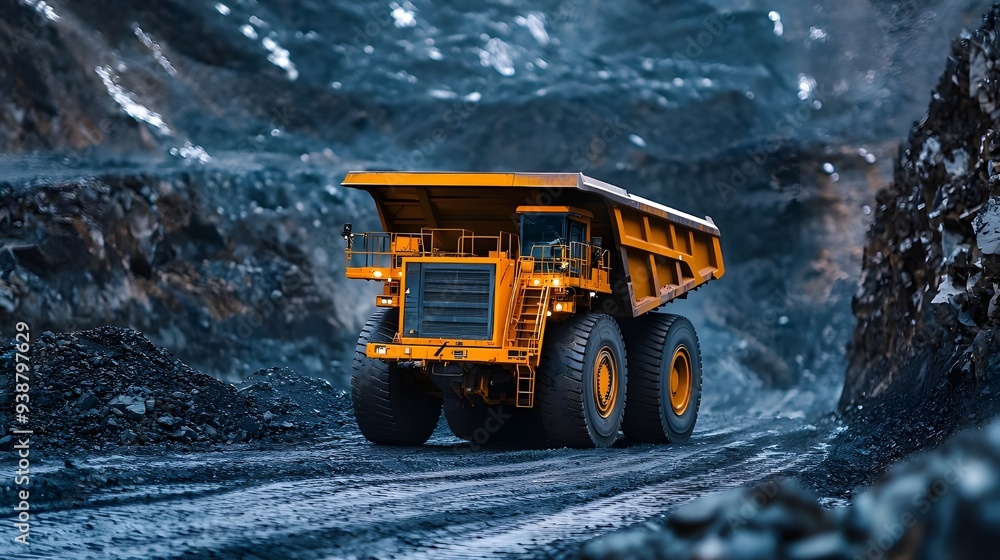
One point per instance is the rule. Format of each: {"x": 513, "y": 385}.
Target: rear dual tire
{"x": 664, "y": 386}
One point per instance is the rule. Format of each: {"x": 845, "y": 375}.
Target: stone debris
{"x": 110, "y": 387}
{"x": 945, "y": 504}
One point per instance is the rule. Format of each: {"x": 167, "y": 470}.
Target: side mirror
{"x": 348, "y": 235}
{"x": 596, "y": 241}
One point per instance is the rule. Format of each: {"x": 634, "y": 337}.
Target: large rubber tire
{"x": 391, "y": 406}
{"x": 484, "y": 425}
{"x": 650, "y": 415}
{"x": 566, "y": 381}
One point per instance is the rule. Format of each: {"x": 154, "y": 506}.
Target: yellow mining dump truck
{"x": 520, "y": 303}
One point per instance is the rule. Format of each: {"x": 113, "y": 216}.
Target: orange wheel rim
{"x": 680, "y": 380}
{"x": 605, "y": 382}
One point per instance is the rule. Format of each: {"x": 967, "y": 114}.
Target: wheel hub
{"x": 605, "y": 382}
{"x": 680, "y": 380}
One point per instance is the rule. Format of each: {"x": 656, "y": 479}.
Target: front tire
{"x": 392, "y": 406}
{"x": 664, "y": 385}
{"x": 582, "y": 381}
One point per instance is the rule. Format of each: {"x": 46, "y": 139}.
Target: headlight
{"x": 558, "y": 307}
{"x": 381, "y": 350}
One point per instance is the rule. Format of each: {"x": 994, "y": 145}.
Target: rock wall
{"x": 927, "y": 299}
{"x": 233, "y": 273}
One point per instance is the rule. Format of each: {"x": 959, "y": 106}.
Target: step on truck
{"x": 523, "y": 306}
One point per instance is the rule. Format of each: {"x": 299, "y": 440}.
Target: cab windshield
{"x": 542, "y": 230}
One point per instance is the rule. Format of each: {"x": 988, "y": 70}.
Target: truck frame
{"x": 522, "y": 305}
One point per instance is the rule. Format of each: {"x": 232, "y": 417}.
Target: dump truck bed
{"x": 658, "y": 253}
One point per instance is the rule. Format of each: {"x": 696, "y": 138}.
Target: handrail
{"x": 436, "y": 237}
{"x": 383, "y": 250}
{"x": 505, "y": 243}
{"x": 386, "y": 250}
{"x": 376, "y": 247}
{"x": 512, "y": 315}
{"x": 574, "y": 260}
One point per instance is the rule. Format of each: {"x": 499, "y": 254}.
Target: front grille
{"x": 449, "y": 301}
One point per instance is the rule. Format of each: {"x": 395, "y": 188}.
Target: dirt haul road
{"x": 346, "y": 498}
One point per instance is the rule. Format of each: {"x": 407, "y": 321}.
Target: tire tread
{"x": 645, "y": 337}
{"x": 372, "y": 390}
{"x": 561, "y": 373}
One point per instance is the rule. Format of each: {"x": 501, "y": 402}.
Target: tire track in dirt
{"x": 502, "y": 502}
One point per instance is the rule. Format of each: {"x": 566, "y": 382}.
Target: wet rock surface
{"x": 232, "y": 272}
{"x": 944, "y": 504}
{"x": 922, "y": 362}
{"x": 111, "y": 390}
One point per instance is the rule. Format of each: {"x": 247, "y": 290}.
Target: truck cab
{"x": 555, "y": 232}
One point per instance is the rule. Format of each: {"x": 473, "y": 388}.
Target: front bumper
{"x": 446, "y": 353}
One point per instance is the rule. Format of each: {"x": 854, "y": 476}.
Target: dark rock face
{"x": 926, "y": 304}
{"x": 111, "y": 388}
{"x": 233, "y": 273}
{"x": 51, "y": 97}
{"x": 945, "y": 504}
